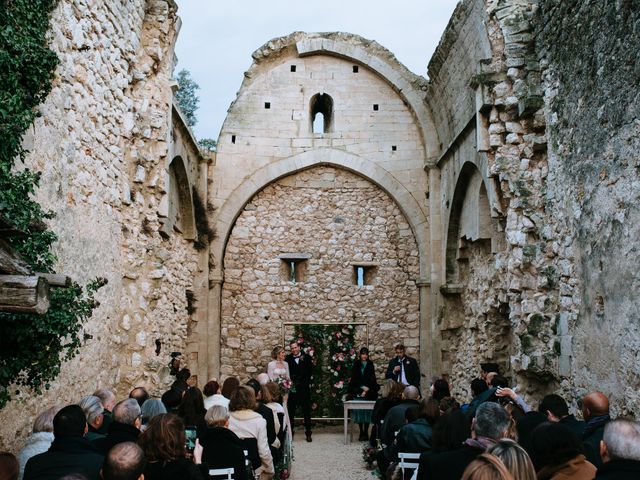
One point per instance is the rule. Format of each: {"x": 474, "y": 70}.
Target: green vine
{"x": 331, "y": 347}
{"x": 32, "y": 347}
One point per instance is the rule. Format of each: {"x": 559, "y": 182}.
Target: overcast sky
{"x": 218, "y": 37}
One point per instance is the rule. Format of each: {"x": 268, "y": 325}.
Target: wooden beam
{"x": 55, "y": 280}
{"x": 10, "y": 261}
{"x": 24, "y": 294}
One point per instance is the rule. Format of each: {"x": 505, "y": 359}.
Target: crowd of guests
{"x": 187, "y": 432}
{"x": 497, "y": 436}
{"x": 182, "y": 435}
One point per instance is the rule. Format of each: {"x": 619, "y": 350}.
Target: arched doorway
{"x": 355, "y": 260}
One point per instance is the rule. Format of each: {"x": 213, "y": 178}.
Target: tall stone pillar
{"x": 426, "y": 331}
{"x": 213, "y": 326}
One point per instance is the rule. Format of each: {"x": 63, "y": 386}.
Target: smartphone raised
{"x": 190, "y": 434}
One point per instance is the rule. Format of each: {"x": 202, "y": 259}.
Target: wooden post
{"x": 24, "y": 294}
{"x": 10, "y": 261}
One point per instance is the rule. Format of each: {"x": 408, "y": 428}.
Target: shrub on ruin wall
{"x": 32, "y": 347}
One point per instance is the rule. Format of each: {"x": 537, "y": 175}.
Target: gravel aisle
{"x": 327, "y": 458}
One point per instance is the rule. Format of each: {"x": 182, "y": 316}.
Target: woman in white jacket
{"x": 40, "y": 440}
{"x": 246, "y": 423}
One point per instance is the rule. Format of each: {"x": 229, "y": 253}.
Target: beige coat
{"x": 250, "y": 424}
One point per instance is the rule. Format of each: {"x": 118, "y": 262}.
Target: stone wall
{"x": 552, "y": 298}
{"x": 501, "y": 301}
{"x": 340, "y": 219}
{"x": 103, "y": 145}
{"x": 590, "y": 50}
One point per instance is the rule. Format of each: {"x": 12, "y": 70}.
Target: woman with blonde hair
{"x": 246, "y": 423}
{"x": 515, "y": 458}
{"x": 486, "y": 467}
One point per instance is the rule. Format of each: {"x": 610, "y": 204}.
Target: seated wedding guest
{"x": 213, "y": 395}
{"x": 9, "y": 466}
{"x": 268, "y": 414}
{"x": 150, "y": 409}
{"x": 450, "y": 431}
{"x": 124, "y": 428}
{"x": 440, "y": 389}
{"x": 246, "y": 424}
{"x": 390, "y": 396}
{"x": 363, "y": 385}
{"x": 191, "y": 409}
{"x": 163, "y": 443}
{"x": 556, "y": 410}
{"x": 125, "y": 461}
{"x": 228, "y": 386}
{"x": 140, "y": 394}
{"x": 595, "y": 411}
{"x": 394, "y": 420}
{"x": 221, "y": 447}
{"x": 486, "y": 467}
{"x": 415, "y": 437}
{"x": 620, "y": 451}
{"x": 92, "y": 408}
{"x": 490, "y": 424}
{"x": 40, "y": 440}
{"x": 181, "y": 384}
{"x": 480, "y": 392}
{"x": 171, "y": 400}
{"x": 515, "y": 458}
{"x": 272, "y": 398}
{"x": 108, "y": 400}
{"x": 556, "y": 452}
{"x": 70, "y": 452}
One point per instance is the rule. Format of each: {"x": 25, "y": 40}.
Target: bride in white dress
{"x": 279, "y": 368}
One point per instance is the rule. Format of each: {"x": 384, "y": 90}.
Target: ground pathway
{"x": 327, "y": 458}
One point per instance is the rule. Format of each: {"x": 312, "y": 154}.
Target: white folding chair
{"x": 226, "y": 473}
{"x": 409, "y": 461}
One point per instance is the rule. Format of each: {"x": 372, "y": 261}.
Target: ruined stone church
{"x": 487, "y": 211}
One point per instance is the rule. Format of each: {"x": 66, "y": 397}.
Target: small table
{"x": 354, "y": 405}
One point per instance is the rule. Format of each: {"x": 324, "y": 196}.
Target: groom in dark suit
{"x": 404, "y": 369}
{"x": 300, "y": 368}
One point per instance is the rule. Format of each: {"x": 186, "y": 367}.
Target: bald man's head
{"x": 411, "y": 393}
{"x": 125, "y": 461}
{"x": 595, "y": 404}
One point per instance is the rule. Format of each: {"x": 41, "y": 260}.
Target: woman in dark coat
{"x": 221, "y": 447}
{"x": 363, "y": 386}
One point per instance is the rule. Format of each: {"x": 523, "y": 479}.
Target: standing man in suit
{"x": 403, "y": 369}
{"x": 300, "y": 368}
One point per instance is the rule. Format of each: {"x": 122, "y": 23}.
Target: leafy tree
{"x": 208, "y": 144}
{"x": 186, "y": 96}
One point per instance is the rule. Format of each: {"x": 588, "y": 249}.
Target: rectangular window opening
{"x": 293, "y": 267}
{"x": 233, "y": 139}
{"x": 393, "y": 148}
{"x": 364, "y": 274}
{"x": 375, "y": 107}
{"x": 355, "y": 69}
{"x": 293, "y": 68}
{"x": 267, "y": 105}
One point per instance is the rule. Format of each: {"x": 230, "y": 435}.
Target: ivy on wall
{"x": 32, "y": 347}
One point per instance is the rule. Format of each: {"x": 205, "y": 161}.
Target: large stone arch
{"x": 409, "y": 206}
{"x": 233, "y": 206}
{"x": 331, "y": 219}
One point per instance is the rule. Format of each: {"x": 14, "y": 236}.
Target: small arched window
{"x": 321, "y": 113}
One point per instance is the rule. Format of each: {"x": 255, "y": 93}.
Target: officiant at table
{"x": 363, "y": 386}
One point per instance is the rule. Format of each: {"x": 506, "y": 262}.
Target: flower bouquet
{"x": 369, "y": 456}
{"x": 285, "y": 384}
